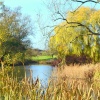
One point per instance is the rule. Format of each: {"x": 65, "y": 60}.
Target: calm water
{"x": 43, "y": 72}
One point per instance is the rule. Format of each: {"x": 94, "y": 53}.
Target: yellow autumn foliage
{"x": 70, "y": 38}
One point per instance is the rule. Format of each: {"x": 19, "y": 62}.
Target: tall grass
{"x": 60, "y": 88}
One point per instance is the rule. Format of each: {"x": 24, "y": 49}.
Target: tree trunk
{"x": 2, "y": 65}
{"x": 23, "y": 64}
{"x": 2, "y": 62}
{"x": 13, "y": 65}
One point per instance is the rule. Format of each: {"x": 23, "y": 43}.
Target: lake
{"x": 42, "y": 72}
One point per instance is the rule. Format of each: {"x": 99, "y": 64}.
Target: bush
{"x": 74, "y": 59}
{"x": 56, "y": 62}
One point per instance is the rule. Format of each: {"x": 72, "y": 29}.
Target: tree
{"x": 80, "y": 37}
{"x": 60, "y": 10}
{"x": 14, "y": 29}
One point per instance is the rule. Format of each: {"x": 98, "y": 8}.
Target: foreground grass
{"x": 60, "y": 87}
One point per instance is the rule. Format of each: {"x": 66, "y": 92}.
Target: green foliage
{"x": 14, "y": 29}
{"x": 39, "y": 58}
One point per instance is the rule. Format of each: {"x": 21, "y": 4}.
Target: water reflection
{"x": 43, "y": 72}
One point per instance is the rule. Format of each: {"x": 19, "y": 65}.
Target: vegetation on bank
{"x": 60, "y": 88}
{"x": 15, "y": 46}
{"x": 78, "y": 34}
{"x": 45, "y": 59}
{"x": 14, "y": 31}
{"x": 39, "y": 58}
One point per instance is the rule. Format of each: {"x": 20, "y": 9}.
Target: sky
{"x": 33, "y": 8}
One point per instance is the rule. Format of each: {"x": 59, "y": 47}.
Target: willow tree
{"x": 79, "y": 34}
{"x": 14, "y": 29}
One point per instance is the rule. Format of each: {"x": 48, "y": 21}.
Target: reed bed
{"x": 60, "y": 86}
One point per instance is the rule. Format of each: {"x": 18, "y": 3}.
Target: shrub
{"x": 74, "y": 59}
{"x": 56, "y": 62}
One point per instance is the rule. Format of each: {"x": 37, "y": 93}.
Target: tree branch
{"x": 78, "y": 24}
{"x": 83, "y": 2}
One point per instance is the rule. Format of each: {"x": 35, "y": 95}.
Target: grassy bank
{"x": 66, "y": 85}
{"x": 41, "y": 58}
{"x": 44, "y": 59}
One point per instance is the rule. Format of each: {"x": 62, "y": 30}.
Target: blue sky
{"x": 34, "y": 7}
